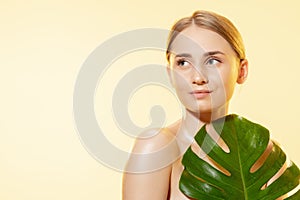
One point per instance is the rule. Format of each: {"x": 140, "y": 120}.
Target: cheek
{"x": 224, "y": 79}
{"x": 180, "y": 80}
{"x": 229, "y": 79}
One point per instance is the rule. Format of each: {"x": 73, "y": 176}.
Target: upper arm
{"x": 147, "y": 174}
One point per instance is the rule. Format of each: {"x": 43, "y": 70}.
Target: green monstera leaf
{"x": 247, "y": 142}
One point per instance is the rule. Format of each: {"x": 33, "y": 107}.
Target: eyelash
{"x": 213, "y": 59}
{"x": 180, "y": 62}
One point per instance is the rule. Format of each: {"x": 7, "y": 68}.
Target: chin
{"x": 200, "y": 111}
{"x": 213, "y": 112}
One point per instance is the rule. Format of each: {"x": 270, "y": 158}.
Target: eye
{"x": 182, "y": 63}
{"x": 213, "y": 61}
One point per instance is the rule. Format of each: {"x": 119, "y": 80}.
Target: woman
{"x": 206, "y": 58}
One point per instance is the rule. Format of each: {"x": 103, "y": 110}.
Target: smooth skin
{"x": 204, "y": 73}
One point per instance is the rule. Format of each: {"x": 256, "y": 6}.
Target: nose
{"x": 199, "y": 78}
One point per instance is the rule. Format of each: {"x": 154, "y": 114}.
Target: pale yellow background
{"x": 43, "y": 45}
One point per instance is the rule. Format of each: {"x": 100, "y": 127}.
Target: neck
{"x": 208, "y": 117}
{"x": 192, "y": 122}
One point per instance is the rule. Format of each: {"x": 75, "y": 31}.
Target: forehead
{"x": 195, "y": 40}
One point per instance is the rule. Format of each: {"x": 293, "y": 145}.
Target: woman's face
{"x": 203, "y": 69}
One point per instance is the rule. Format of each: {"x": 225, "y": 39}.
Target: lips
{"x": 199, "y": 94}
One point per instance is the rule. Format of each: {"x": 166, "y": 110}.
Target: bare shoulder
{"x": 156, "y": 139}
{"x": 154, "y": 149}
{"x": 153, "y": 140}
{"x": 149, "y": 165}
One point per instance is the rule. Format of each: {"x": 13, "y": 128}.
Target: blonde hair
{"x": 211, "y": 21}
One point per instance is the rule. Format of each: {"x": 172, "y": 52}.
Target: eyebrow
{"x": 209, "y": 53}
{"x": 183, "y": 55}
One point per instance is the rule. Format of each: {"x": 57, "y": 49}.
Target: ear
{"x": 243, "y": 71}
